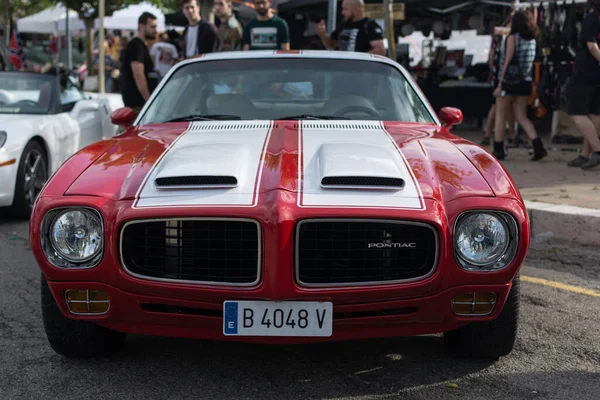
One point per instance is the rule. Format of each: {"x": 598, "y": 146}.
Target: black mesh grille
{"x": 348, "y": 252}
{"x": 193, "y": 250}
{"x": 196, "y": 180}
{"x": 362, "y": 181}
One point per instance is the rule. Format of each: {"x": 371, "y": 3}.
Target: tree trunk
{"x": 89, "y": 30}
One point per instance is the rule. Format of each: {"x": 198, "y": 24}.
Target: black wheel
{"x": 489, "y": 339}
{"x": 73, "y": 338}
{"x": 31, "y": 177}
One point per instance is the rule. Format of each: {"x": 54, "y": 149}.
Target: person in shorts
{"x": 583, "y": 93}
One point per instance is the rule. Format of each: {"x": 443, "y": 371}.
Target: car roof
{"x": 324, "y": 54}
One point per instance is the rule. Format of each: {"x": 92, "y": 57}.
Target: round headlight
{"x": 482, "y": 239}
{"x": 76, "y": 235}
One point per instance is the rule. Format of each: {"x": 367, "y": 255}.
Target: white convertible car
{"x": 44, "y": 120}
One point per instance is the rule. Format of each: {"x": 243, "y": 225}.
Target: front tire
{"x": 31, "y": 177}
{"x": 489, "y": 339}
{"x": 72, "y": 338}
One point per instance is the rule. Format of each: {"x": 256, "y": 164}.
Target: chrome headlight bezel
{"x": 494, "y": 265}
{"x": 53, "y": 255}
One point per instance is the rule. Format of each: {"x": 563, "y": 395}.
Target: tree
{"x": 23, "y": 8}
{"x": 15, "y": 9}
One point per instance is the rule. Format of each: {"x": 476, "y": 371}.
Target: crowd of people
{"x": 512, "y": 65}
{"x": 143, "y": 66}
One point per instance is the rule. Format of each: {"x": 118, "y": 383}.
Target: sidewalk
{"x": 563, "y": 202}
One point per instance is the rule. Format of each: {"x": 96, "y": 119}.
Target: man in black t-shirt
{"x": 138, "y": 78}
{"x": 356, "y": 33}
{"x": 583, "y": 93}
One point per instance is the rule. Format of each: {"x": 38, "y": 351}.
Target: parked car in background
{"x": 44, "y": 120}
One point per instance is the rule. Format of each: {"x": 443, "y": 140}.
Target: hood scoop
{"x": 358, "y": 166}
{"x": 194, "y": 181}
{"x": 362, "y": 182}
{"x": 208, "y": 166}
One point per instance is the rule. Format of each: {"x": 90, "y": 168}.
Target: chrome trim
{"x": 182, "y": 281}
{"x": 511, "y": 249}
{"x": 473, "y": 304}
{"x": 57, "y": 259}
{"x": 362, "y": 284}
{"x": 88, "y": 301}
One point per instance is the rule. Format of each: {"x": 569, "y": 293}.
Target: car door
{"x": 60, "y": 133}
{"x": 85, "y": 112}
{"x": 65, "y": 137}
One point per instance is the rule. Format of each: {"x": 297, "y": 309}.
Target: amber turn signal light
{"x": 474, "y": 304}
{"x": 87, "y": 301}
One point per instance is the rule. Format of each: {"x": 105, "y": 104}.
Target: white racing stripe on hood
{"x": 374, "y": 154}
{"x": 229, "y": 148}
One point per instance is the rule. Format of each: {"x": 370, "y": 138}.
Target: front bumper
{"x": 144, "y": 306}
{"x": 164, "y": 316}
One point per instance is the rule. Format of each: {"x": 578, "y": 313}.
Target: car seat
{"x": 235, "y": 104}
{"x": 45, "y": 97}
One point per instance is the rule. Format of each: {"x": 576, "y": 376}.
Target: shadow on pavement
{"x": 234, "y": 370}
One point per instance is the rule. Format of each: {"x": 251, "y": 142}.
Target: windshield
{"x": 286, "y": 88}
{"x": 26, "y": 93}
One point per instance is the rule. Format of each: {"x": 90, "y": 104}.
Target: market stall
{"x": 127, "y": 18}
{"x": 51, "y": 21}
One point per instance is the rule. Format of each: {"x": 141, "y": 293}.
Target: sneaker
{"x": 593, "y": 161}
{"x": 485, "y": 141}
{"x": 578, "y": 162}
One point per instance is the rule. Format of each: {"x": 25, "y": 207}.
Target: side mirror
{"x": 451, "y": 116}
{"x": 122, "y": 117}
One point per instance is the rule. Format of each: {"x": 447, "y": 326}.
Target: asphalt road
{"x": 557, "y": 355}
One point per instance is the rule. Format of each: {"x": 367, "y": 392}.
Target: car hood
{"x": 324, "y": 162}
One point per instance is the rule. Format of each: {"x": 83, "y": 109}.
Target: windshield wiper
{"x": 205, "y": 117}
{"x": 311, "y": 116}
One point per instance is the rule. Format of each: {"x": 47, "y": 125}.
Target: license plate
{"x": 277, "y": 318}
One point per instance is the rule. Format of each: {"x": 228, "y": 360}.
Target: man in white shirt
{"x": 199, "y": 37}
{"x": 164, "y": 55}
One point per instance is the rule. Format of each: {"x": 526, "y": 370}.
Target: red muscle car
{"x": 282, "y": 197}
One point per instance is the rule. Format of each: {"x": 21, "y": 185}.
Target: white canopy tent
{"x": 51, "y": 21}
{"x": 127, "y": 18}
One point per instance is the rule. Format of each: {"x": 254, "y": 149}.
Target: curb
{"x": 569, "y": 224}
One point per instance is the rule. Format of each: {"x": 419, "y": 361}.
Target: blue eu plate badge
{"x": 231, "y": 318}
